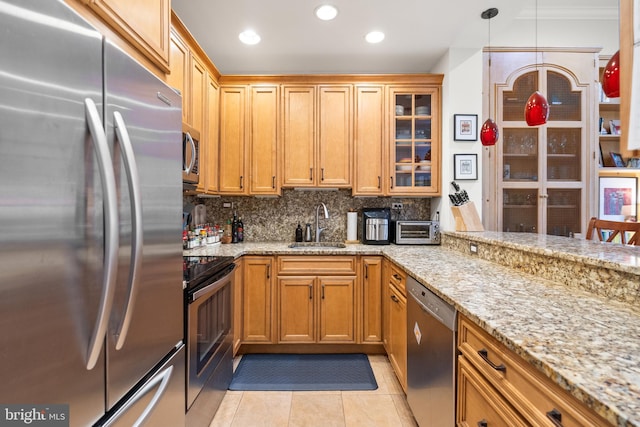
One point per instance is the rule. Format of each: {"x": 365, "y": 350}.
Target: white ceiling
{"x": 418, "y": 32}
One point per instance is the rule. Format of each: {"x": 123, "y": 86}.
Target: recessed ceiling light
{"x": 374, "y": 37}
{"x": 249, "y": 37}
{"x": 326, "y": 12}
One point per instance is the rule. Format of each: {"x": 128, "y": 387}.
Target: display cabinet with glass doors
{"x": 415, "y": 148}
{"x": 543, "y": 173}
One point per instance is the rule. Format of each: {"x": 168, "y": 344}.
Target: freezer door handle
{"x": 133, "y": 179}
{"x": 163, "y": 378}
{"x": 107, "y": 175}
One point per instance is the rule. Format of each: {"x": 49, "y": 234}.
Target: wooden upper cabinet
{"x": 233, "y": 122}
{"x": 144, "y": 23}
{"x": 299, "y": 136}
{"x": 334, "y": 136}
{"x": 369, "y": 141}
{"x": 263, "y": 140}
{"x": 179, "y": 72}
{"x": 210, "y": 166}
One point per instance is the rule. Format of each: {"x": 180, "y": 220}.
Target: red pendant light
{"x": 611, "y": 77}
{"x": 536, "y": 111}
{"x": 489, "y": 131}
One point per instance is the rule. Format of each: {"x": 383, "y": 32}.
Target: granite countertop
{"x": 586, "y": 343}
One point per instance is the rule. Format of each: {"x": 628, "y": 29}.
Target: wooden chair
{"x": 617, "y": 228}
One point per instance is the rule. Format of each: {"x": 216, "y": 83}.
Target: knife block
{"x": 467, "y": 218}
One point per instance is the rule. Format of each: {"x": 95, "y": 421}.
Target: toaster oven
{"x": 405, "y": 232}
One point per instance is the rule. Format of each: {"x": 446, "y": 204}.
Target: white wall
{"x": 461, "y": 94}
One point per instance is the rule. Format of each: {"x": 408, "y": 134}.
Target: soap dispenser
{"x": 307, "y": 233}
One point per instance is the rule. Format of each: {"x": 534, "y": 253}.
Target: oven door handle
{"x": 213, "y": 287}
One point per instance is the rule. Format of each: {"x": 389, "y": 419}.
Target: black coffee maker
{"x": 375, "y": 226}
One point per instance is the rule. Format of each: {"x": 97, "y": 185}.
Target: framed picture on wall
{"x": 465, "y": 127}
{"x": 615, "y": 194}
{"x": 465, "y": 166}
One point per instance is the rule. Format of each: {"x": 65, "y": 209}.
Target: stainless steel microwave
{"x": 415, "y": 232}
{"x": 190, "y": 154}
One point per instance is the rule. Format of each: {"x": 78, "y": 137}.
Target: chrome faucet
{"x": 326, "y": 215}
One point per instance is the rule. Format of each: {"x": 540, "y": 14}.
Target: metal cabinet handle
{"x": 321, "y": 174}
{"x": 483, "y": 423}
{"x": 241, "y": 182}
{"x": 395, "y": 276}
{"x": 268, "y": 271}
{"x": 322, "y": 296}
{"x": 310, "y": 291}
{"x": 394, "y": 298}
{"x": 111, "y": 236}
{"x": 135, "y": 195}
{"x": 485, "y": 355}
{"x": 310, "y": 174}
{"x": 193, "y": 157}
{"x": 273, "y": 182}
{"x": 555, "y": 416}
{"x": 366, "y": 271}
{"x": 379, "y": 181}
{"x": 391, "y": 178}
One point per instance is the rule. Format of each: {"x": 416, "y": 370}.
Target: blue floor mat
{"x": 294, "y": 372}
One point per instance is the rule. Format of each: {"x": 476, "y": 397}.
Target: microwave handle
{"x": 193, "y": 157}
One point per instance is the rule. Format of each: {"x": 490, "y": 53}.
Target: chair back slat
{"x": 616, "y": 228}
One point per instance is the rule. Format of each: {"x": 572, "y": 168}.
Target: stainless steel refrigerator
{"x": 91, "y": 300}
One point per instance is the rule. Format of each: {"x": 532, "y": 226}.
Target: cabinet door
{"x": 198, "y": 78}
{"x": 210, "y": 167}
{"x": 263, "y": 164}
{"x": 337, "y": 309}
{"x": 258, "y": 300}
{"x": 297, "y": 301}
{"x": 369, "y": 137}
{"x": 179, "y": 73}
{"x": 398, "y": 334}
{"x": 233, "y": 102}
{"x": 238, "y": 285}
{"x": 386, "y": 305}
{"x": 145, "y": 23}
{"x": 415, "y": 136}
{"x": 299, "y": 136}
{"x": 372, "y": 299}
{"x": 334, "y": 136}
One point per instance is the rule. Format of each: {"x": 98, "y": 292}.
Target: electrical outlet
{"x": 473, "y": 248}
{"x": 226, "y": 204}
{"x": 396, "y": 206}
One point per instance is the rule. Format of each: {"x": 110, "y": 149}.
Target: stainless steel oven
{"x": 209, "y": 335}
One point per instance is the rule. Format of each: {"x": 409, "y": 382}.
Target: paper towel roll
{"x": 352, "y": 226}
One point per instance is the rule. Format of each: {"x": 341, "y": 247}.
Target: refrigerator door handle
{"x": 162, "y": 378}
{"x": 133, "y": 179}
{"x": 107, "y": 175}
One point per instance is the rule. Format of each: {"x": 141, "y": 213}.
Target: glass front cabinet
{"x": 542, "y": 179}
{"x": 415, "y": 141}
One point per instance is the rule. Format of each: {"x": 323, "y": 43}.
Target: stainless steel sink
{"x": 318, "y": 245}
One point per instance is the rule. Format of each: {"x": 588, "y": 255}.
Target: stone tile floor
{"x": 384, "y": 407}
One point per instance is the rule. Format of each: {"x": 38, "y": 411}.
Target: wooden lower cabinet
{"x": 479, "y": 404}
{"x": 505, "y": 375}
{"x": 317, "y": 309}
{"x": 371, "y": 279}
{"x": 258, "y": 300}
{"x": 397, "y": 350}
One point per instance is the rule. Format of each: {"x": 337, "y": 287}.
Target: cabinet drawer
{"x": 479, "y": 402}
{"x": 398, "y": 278}
{"x": 316, "y": 265}
{"x": 535, "y": 396}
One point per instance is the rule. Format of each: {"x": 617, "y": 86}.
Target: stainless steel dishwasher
{"x": 431, "y": 357}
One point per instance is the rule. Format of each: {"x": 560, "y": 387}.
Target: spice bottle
{"x": 240, "y": 230}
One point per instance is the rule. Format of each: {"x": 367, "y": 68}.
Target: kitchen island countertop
{"x": 587, "y": 343}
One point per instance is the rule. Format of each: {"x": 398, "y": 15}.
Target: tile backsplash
{"x": 275, "y": 218}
